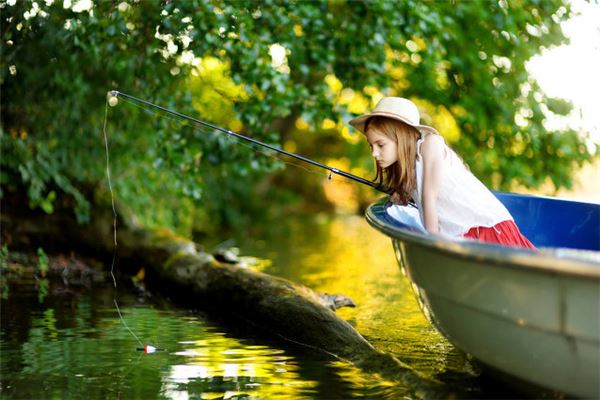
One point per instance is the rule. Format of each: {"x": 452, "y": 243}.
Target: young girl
{"x": 414, "y": 160}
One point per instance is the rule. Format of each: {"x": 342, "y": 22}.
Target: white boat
{"x": 532, "y": 315}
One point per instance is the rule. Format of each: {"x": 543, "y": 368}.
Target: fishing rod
{"x": 331, "y": 170}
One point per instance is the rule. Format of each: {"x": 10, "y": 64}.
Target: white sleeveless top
{"x": 463, "y": 201}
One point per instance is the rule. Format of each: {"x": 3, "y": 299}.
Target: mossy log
{"x": 174, "y": 264}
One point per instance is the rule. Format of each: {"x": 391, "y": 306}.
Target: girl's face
{"x": 383, "y": 149}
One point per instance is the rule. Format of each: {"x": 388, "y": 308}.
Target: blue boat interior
{"x": 547, "y": 222}
{"x": 551, "y": 222}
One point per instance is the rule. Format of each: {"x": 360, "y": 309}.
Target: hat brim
{"x": 359, "y": 122}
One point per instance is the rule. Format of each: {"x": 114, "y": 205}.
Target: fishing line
{"x": 112, "y": 198}
{"x": 179, "y": 121}
{"x": 185, "y": 120}
{"x": 111, "y": 195}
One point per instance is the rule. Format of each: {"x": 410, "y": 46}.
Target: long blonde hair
{"x": 400, "y": 177}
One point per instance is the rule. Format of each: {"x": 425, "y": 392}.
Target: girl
{"x": 416, "y": 163}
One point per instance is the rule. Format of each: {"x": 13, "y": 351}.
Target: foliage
{"x": 33, "y": 165}
{"x": 4, "y": 257}
{"x": 42, "y": 281}
{"x": 4, "y": 254}
{"x": 263, "y": 68}
{"x": 43, "y": 262}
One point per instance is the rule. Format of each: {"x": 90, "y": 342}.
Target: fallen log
{"x": 174, "y": 264}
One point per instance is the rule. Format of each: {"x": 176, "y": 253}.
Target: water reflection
{"x": 223, "y": 367}
{"x": 343, "y": 254}
{"x": 88, "y": 353}
{"x": 73, "y": 345}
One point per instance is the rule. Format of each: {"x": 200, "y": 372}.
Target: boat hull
{"x": 508, "y": 308}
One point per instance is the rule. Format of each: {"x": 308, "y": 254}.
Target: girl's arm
{"x": 433, "y": 153}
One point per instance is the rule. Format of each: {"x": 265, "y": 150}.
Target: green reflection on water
{"x": 343, "y": 254}
{"x": 97, "y": 357}
{"x": 73, "y": 345}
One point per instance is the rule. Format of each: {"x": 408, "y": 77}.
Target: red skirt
{"x": 505, "y": 233}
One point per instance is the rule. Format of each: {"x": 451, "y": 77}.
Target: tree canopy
{"x": 270, "y": 69}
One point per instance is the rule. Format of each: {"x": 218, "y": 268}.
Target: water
{"x": 72, "y": 344}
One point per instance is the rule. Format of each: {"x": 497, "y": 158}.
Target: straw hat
{"x": 397, "y": 108}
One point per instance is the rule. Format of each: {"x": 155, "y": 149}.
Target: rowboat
{"x": 534, "y": 316}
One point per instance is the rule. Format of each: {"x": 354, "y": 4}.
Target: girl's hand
{"x": 396, "y": 199}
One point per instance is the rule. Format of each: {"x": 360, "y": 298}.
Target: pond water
{"x": 72, "y": 344}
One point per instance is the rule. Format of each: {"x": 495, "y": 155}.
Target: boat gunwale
{"x": 543, "y": 261}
